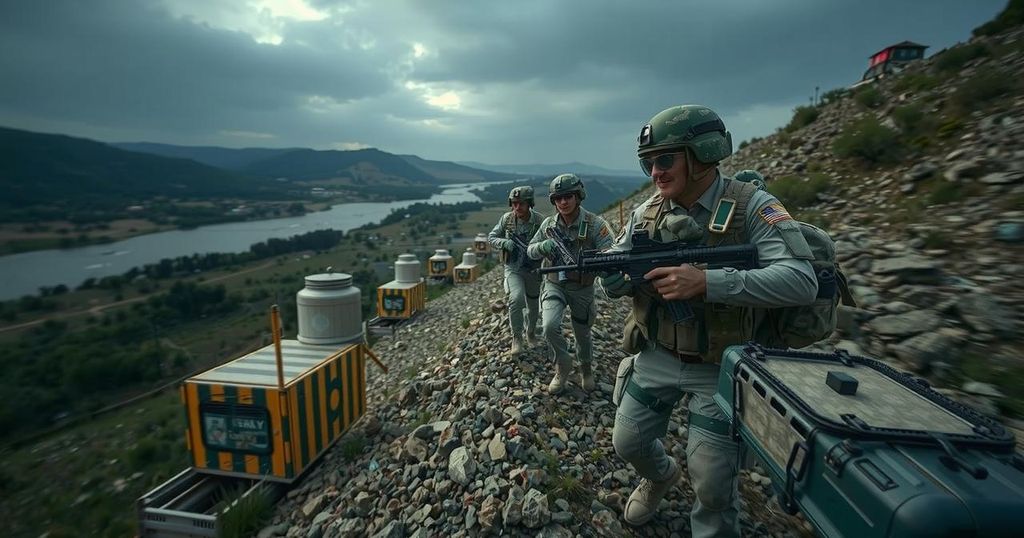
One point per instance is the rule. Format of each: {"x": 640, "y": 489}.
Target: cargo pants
{"x": 580, "y": 301}
{"x": 712, "y": 459}
{"x": 523, "y": 291}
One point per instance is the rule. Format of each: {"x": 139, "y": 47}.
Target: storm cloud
{"x": 530, "y": 81}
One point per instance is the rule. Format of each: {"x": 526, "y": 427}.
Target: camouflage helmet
{"x": 521, "y": 194}
{"x": 565, "y": 184}
{"x": 751, "y": 176}
{"x": 687, "y": 126}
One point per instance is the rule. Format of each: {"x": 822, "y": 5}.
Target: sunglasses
{"x": 663, "y": 161}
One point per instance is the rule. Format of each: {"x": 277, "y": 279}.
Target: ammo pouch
{"x": 621, "y": 378}
{"x": 633, "y": 340}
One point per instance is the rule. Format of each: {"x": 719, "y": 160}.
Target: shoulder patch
{"x": 774, "y": 213}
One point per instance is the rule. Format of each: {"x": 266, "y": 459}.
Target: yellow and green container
{"x": 243, "y": 420}
{"x": 401, "y": 300}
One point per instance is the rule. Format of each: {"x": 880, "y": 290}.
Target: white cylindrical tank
{"x": 330, "y": 310}
{"x": 441, "y": 263}
{"x": 407, "y": 269}
{"x": 469, "y": 257}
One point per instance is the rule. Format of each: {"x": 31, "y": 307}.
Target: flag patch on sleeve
{"x": 774, "y": 214}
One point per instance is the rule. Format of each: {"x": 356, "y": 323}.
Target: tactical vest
{"x": 580, "y": 241}
{"x": 714, "y": 326}
{"x": 510, "y": 230}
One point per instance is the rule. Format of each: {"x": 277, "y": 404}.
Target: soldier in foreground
{"x": 680, "y": 149}
{"x": 583, "y": 230}
{"x": 522, "y": 286}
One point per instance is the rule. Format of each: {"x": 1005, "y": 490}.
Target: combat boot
{"x": 643, "y": 502}
{"x": 531, "y": 338}
{"x": 586, "y": 376}
{"x": 561, "y": 376}
{"x": 517, "y": 346}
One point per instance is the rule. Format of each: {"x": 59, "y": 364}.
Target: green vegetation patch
{"x": 869, "y": 141}
{"x": 984, "y": 86}
{"x": 917, "y": 82}
{"x": 797, "y": 192}
{"x": 869, "y": 97}
{"x": 802, "y": 117}
{"x": 956, "y": 57}
{"x": 1011, "y": 16}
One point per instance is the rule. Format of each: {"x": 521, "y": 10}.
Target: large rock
{"x": 461, "y": 466}
{"x": 910, "y": 269}
{"x": 536, "y": 513}
{"x": 984, "y": 314}
{"x": 906, "y": 324}
{"x": 490, "y": 513}
{"x": 921, "y": 352}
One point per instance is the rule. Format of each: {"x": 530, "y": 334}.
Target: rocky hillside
{"x": 929, "y": 218}
{"x": 463, "y": 441}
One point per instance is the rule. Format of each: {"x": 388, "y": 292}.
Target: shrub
{"x": 1012, "y": 15}
{"x": 949, "y": 127}
{"x": 869, "y": 141}
{"x": 912, "y": 120}
{"x": 834, "y": 95}
{"x": 983, "y": 86}
{"x": 917, "y": 82}
{"x": 955, "y": 58}
{"x": 870, "y": 97}
{"x": 243, "y": 516}
{"x": 796, "y": 192}
{"x": 802, "y": 116}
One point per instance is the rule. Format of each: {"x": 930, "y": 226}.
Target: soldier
{"x": 522, "y": 285}
{"x": 680, "y": 150}
{"x": 584, "y": 231}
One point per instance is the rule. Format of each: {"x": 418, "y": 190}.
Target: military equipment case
{"x": 880, "y": 454}
{"x": 401, "y": 300}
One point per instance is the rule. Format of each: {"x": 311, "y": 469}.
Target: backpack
{"x": 801, "y": 326}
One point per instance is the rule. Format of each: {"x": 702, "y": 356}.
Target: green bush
{"x": 1012, "y": 15}
{"x": 869, "y": 141}
{"x": 870, "y": 97}
{"x": 983, "y": 86}
{"x": 243, "y": 516}
{"x": 834, "y": 95}
{"x": 802, "y": 116}
{"x": 913, "y": 121}
{"x": 796, "y": 192}
{"x": 949, "y": 127}
{"x": 946, "y": 192}
{"x": 917, "y": 82}
{"x": 955, "y": 58}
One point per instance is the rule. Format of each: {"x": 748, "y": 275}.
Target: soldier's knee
{"x": 626, "y": 438}
{"x": 712, "y": 474}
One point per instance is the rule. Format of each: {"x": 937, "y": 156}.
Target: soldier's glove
{"x": 616, "y": 285}
{"x": 546, "y": 247}
{"x": 507, "y": 244}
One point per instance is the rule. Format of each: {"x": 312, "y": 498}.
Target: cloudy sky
{"x": 520, "y": 81}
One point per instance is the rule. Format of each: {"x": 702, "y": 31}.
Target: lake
{"x": 23, "y": 274}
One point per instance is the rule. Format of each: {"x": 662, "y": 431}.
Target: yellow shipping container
{"x": 240, "y": 423}
{"x": 401, "y": 300}
{"x": 464, "y": 274}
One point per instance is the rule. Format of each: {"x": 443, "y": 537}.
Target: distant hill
{"x": 449, "y": 172}
{"x": 50, "y": 170}
{"x": 340, "y": 167}
{"x": 229, "y": 158}
{"x": 550, "y": 169}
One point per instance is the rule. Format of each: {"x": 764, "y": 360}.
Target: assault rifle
{"x": 647, "y": 254}
{"x": 518, "y": 259}
{"x": 563, "y": 256}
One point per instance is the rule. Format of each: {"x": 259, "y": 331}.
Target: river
{"x": 23, "y": 274}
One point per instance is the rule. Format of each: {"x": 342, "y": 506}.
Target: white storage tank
{"x": 330, "y": 310}
{"x": 468, "y": 257}
{"x": 407, "y": 269}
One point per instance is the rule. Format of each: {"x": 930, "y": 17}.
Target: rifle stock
{"x": 647, "y": 254}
